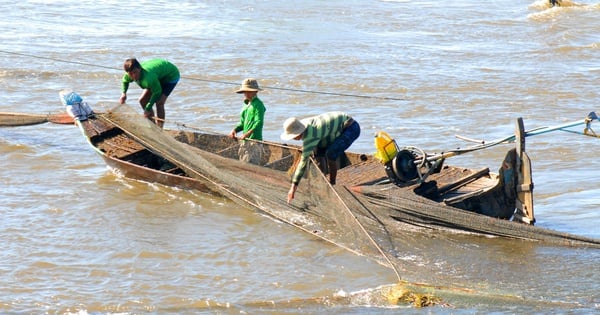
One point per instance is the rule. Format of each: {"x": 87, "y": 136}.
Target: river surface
{"x": 79, "y": 239}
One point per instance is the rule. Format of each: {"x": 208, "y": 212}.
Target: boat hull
{"x": 127, "y": 158}
{"x": 150, "y": 175}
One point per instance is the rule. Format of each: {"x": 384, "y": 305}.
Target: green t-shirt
{"x": 252, "y": 117}
{"x": 153, "y": 73}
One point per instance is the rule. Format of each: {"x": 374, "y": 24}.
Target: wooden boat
{"x": 441, "y": 196}
{"x": 9, "y": 119}
{"x": 457, "y": 187}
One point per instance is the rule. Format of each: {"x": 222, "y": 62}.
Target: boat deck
{"x": 475, "y": 190}
{"x": 450, "y": 181}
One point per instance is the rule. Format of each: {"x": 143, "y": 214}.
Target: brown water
{"x": 80, "y": 239}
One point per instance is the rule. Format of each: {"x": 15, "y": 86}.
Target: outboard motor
{"x": 406, "y": 164}
{"x": 403, "y": 166}
{"x": 399, "y": 165}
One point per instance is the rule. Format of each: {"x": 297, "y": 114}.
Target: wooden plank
{"x": 463, "y": 181}
{"x": 524, "y": 201}
{"x": 9, "y": 119}
{"x": 525, "y": 192}
{"x": 21, "y": 119}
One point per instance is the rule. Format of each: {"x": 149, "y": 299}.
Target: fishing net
{"x": 389, "y": 201}
{"x": 367, "y": 226}
{"x": 317, "y": 207}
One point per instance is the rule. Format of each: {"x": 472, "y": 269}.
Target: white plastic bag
{"x": 75, "y": 106}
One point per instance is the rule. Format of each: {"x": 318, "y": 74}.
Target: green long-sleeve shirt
{"x": 252, "y": 117}
{"x": 153, "y": 73}
{"x": 320, "y": 132}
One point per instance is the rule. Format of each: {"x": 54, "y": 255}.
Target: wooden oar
{"x": 8, "y": 119}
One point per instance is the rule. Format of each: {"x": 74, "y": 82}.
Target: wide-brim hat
{"x": 292, "y": 127}
{"x": 249, "y": 85}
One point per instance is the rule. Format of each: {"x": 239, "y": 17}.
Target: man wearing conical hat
{"x": 331, "y": 132}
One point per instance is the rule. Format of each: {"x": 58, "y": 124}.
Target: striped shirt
{"x": 320, "y": 132}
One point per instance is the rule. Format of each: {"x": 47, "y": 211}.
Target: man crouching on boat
{"x": 331, "y": 133}
{"x": 158, "y": 78}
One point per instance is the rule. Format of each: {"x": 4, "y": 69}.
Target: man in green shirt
{"x": 251, "y": 123}
{"x": 157, "y": 77}
{"x": 331, "y": 132}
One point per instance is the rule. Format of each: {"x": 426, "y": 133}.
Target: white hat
{"x": 292, "y": 128}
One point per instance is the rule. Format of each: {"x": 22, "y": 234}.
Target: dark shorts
{"x": 168, "y": 87}
{"x": 343, "y": 142}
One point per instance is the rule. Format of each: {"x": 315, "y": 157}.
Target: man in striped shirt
{"x": 331, "y": 133}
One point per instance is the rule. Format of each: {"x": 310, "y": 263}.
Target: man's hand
{"x": 291, "y": 192}
{"x": 247, "y": 134}
{"x": 123, "y": 98}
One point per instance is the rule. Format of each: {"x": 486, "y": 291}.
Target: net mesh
{"x": 317, "y": 208}
{"x": 354, "y": 222}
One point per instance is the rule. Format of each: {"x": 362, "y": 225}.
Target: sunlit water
{"x": 79, "y": 239}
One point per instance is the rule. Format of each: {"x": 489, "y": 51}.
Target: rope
{"x": 281, "y": 145}
{"x": 208, "y": 80}
{"x": 381, "y": 251}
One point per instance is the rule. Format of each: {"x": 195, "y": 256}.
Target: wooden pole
{"x": 524, "y": 200}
